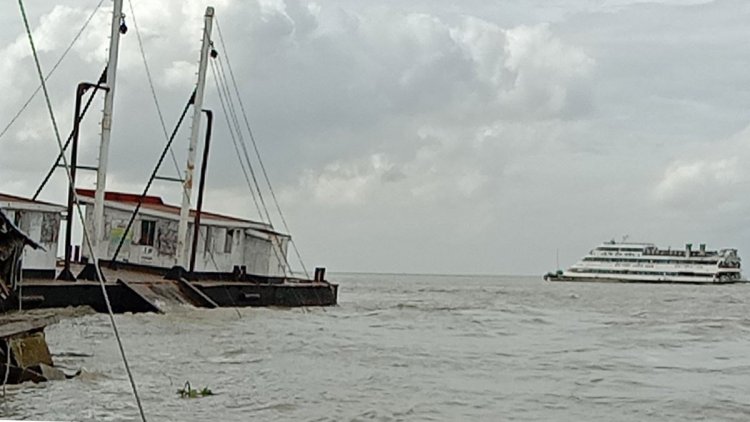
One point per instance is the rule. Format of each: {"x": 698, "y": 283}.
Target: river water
{"x": 418, "y": 348}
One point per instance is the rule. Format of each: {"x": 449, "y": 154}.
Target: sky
{"x": 420, "y": 136}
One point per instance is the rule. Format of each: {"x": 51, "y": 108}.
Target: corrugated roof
{"x": 155, "y": 203}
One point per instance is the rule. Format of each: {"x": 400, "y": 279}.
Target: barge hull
{"x": 129, "y": 296}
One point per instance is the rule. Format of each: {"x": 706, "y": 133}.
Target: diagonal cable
{"x": 52, "y": 70}
{"x": 276, "y": 243}
{"x": 158, "y": 108}
{"x": 86, "y": 236}
{"x": 151, "y": 85}
{"x": 102, "y": 79}
{"x": 234, "y": 142}
{"x": 257, "y": 151}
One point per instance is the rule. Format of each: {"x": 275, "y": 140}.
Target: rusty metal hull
{"x": 139, "y": 295}
{"x": 284, "y": 294}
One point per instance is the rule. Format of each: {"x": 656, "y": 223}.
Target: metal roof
{"x": 156, "y": 204}
{"x": 13, "y": 201}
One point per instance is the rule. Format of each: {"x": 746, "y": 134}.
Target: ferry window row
{"x": 665, "y": 273}
{"x": 651, "y": 261}
{"x": 617, "y": 249}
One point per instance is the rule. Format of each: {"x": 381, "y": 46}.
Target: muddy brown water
{"x": 418, "y": 348}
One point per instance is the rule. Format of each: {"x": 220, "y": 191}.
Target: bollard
{"x": 320, "y": 274}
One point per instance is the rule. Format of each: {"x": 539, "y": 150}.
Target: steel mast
{"x": 118, "y": 27}
{"x": 182, "y": 228}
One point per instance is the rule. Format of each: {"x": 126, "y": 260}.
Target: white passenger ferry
{"x": 644, "y": 262}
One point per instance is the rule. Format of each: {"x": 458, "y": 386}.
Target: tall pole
{"x": 118, "y": 27}
{"x": 187, "y": 187}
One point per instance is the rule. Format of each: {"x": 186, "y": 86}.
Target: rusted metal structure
{"x": 135, "y": 288}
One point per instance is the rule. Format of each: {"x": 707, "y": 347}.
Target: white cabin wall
{"x": 277, "y": 261}
{"x": 42, "y": 227}
{"x": 11, "y": 214}
{"x": 238, "y": 247}
{"x": 253, "y": 251}
{"x": 88, "y": 212}
{"x": 49, "y": 239}
{"x": 156, "y": 254}
{"x": 165, "y": 241}
{"x": 214, "y": 259}
{"x": 39, "y": 223}
{"x": 115, "y": 222}
{"x": 257, "y": 254}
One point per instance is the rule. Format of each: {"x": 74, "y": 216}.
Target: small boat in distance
{"x": 645, "y": 263}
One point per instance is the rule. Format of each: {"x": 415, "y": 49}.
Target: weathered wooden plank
{"x": 13, "y": 327}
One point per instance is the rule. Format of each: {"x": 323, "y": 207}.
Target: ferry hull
{"x": 623, "y": 280}
{"x": 613, "y": 262}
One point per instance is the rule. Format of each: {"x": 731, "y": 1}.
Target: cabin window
{"x": 228, "y": 240}
{"x": 148, "y": 231}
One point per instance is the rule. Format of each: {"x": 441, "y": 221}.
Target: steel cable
{"x": 54, "y": 67}
{"x": 221, "y": 85}
{"x": 86, "y": 236}
{"x": 151, "y": 85}
{"x": 257, "y": 151}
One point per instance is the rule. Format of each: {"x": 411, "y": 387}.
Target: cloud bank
{"x": 424, "y": 137}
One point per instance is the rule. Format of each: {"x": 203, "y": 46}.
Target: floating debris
{"x": 187, "y": 392}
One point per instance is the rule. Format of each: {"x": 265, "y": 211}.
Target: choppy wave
{"x": 401, "y": 347}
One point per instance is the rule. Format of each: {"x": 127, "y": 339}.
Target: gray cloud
{"x": 425, "y": 136}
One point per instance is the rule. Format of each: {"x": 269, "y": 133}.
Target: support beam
{"x": 187, "y": 187}
{"x": 118, "y": 27}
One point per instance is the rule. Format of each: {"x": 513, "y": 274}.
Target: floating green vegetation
{"x": 187, "y": 392}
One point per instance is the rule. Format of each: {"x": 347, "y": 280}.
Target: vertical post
{"x": 187, "y": 187}
{"x": 66, "y": 274}
{"x": 201, "y": 186}
{"x": 320, "y": 275}
{"x": 118, "y": 27}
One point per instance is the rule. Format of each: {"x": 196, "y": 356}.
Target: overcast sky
{"x": 424, "y": 136}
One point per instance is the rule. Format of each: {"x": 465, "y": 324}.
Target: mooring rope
{"x": 86, "y": 236}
